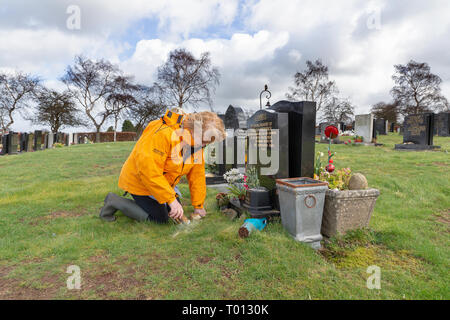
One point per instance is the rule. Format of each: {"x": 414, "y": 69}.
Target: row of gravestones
{"x": 14, "y": 142}
{"x": 284, "y": 132}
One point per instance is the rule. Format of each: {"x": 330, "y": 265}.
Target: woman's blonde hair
{"x": 212, "y": 127}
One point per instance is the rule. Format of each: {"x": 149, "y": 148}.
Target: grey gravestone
{"x": 442, "y": 124}
{"x": 364, "y": 127}
{"x": 75, "y": 138}
{"x": 50, "y": 140}
{"x": 417, "y": 132}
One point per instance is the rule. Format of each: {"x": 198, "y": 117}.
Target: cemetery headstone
{"x": 301, "y": 123}
{"x": 13, "y": 143}
{"x": 235, "y": 122}
{"x": 266, "y": 129}
{"x": 235, "y": 118}
{"x": 50, "y": 140}
{"x": 5, "y": 140}
{"x": 418, "y": 132}
{"x": 364, "y": 127}
{"x": 30, "y": 142}
{"x": 381, "y": 126}
{"x": 442, "y": 124}
{"x": 23, "y": 141}
{"x": 37, "y": 140}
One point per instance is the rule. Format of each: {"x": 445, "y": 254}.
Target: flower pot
{"x": 258, "y": 199}
{"x": 301, "y": 208}
{"x": 347, "y": 210}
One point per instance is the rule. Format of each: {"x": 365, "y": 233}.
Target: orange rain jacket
{"x": 157, "y": 163}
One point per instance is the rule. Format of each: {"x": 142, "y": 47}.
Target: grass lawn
{"x": 49, "y": 204}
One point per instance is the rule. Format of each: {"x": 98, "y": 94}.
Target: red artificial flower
{"x": 246, "y": 186}
{"x": 331, "y": 132}
{"x": 330, "y": 168}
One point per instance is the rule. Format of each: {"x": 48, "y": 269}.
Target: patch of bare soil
{"x": 441, "y": 164}
{"x": 443, "y": 217}
{"x": 16, "y": 289}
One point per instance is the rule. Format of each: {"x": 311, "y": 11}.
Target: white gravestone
{"x": 364, "y": 126}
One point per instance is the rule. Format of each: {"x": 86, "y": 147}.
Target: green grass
{"x": 49, "y": 204}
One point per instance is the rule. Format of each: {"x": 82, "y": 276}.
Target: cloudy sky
{"x": 252, "y": 42}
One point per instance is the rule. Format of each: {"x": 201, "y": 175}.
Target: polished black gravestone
{"x": 302, "y": 123}
{"x": 442, "y": 124}
{"x": 268, "y": 145}
{"x": 418, "y": 132}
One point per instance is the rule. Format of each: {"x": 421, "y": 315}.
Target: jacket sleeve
{"x": 150, "y": 161}
{"x": 197, "y": 184}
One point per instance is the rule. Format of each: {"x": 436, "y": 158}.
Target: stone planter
{"x": 301, "y": 208}
{"x": 347, "y": 210}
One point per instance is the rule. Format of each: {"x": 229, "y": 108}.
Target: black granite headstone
{"x": 442, "y": 124}
{"x": 418, "y": 132}
{"x": 380, "y": 126}
{"x": 268, "y": 145}
{"x": 235, "y": 118}
{"x": 23, "y": 142}
{"x": 302, "y": 122}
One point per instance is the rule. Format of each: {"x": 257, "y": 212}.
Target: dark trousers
{"x": 156, "y": 212}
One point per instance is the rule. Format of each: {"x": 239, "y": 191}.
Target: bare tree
{"x": 15, "y": 91}
{"x": 148, "y": 108}
{"x": 416, "y": 89}
{"x": 185, "y": 80}
{"x": 90, "y": 83}
{"x": 56, "y": 110}
{"x": 122, "y": 98}
{"x": 387, "y": 111}
{"x": 313, "y": 85}
{"x": 338, "y": 110}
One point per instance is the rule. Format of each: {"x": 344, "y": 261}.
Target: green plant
{"x": 251, "y": 179}
{"x": 337, "y": 180}
{"x": 237, "y": 192}
{"x": 58, "y": 145}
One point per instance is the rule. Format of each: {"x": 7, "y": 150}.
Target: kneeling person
{"x": 168, "y": 149}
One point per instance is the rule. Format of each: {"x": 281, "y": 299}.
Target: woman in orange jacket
{"x": 168, "y": 149}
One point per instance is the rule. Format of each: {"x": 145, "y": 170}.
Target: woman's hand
{"x": 201, "y": 212}
{"x": 176, "y": 210}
